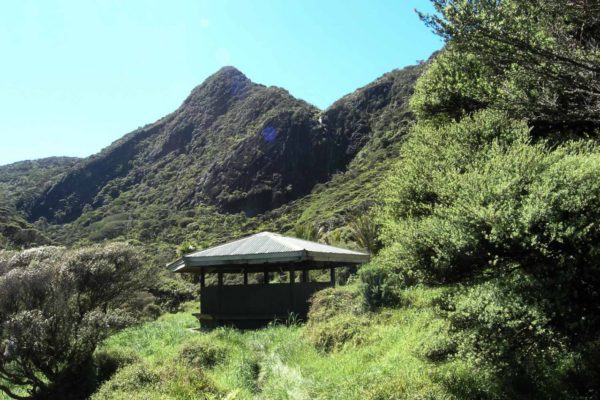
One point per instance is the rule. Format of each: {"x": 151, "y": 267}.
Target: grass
{"x": 395, "y": 354}
{"x": 282, "y": 362}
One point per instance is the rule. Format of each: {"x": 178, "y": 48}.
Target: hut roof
{"x": 266, "y": 248}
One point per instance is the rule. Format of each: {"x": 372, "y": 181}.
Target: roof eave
{"x": 356, "y": 258}
{"x": 190, "y": 262}
{"x": 175, "y": 265}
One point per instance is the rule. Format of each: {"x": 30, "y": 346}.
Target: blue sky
{"x": 76, "y": 75}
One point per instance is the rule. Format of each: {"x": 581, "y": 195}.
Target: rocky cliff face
{"x": 234, "y": 144}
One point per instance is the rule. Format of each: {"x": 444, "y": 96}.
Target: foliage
{"x": 279, "y": 362}
{"x": 329, "y": 302}
{"x": 309, "y": 232}
{"x": 336, "y": 319}
{"x": 490, "y": 207}
{"x": 23, "y": 181}
{"x": 381, "y": 285}
{"x": 140, "y": 381}
{"x": 365, "y": 232}
{"x": 57, "y": 305}
{"x": 15, "y": 232}
{"x": 537, "y": 60}
{"x": 481, "y": 203}
{"x": 108, "y": 362}
{"x": 338, "y": 332}
{"x": 202, "y": 353}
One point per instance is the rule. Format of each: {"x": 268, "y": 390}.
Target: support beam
{"x": 332, "y": 276}
{"x": 220, "y": 275}
{"x": 245, "y": 276}
{"x": 202, "y": 279}
{"x": 266, "y": 276}
{"x": 292, "y": 279}
{"x": 304, "y": 276}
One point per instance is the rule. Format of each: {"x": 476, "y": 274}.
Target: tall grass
{"x": 281, "y": 362}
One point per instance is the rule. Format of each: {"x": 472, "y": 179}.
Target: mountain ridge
{"x": 233, "y": 145}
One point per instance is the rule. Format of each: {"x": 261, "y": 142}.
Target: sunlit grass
{"x": 279, "y": 362}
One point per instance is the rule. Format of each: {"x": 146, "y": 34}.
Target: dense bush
{"x": 519, "y": 217}
{"x": 330, "y": 302}
{"x": 108, "y": 362}
{"x": 338, "y": 332}
{"x": 171, "y": 291}
{"x": 56, "y": 306}
{"x": 536, "y": 59}
{"x": 506, "y": 220}
{"x": 337, "y": 318}
{"x": 202, "y": 353}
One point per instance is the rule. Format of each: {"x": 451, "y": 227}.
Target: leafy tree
{"x": 513, "y": 224}
{"x": 56, "y": 306}
{"x": 540, "y": 60}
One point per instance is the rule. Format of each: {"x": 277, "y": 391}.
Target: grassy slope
{"x": 385, "y": 360}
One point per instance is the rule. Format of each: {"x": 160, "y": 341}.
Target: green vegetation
{"x": 480, "y": 203}
{"x": 58, "y": 304}
{"x": 20, "y": 184}
{"x": 387, "y": 359}
{"x": 496, "y": 196}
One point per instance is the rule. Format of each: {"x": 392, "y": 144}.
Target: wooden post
{"x": 245, "y": 276}
{"x": 266, "y": 276}
{"x": 219, "y": 292}
{"x": 304, "y": 275}
{"x": 202, "y": 279}
{"x": 332, "y": 274}
{"x": 292, "y": 279}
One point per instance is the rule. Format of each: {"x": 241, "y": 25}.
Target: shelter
{"x": 251, "y": 305}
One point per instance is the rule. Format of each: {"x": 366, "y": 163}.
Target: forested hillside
{"x": 472, "y": 178}
{"x": 234, "y": 158}
{"x": 20, "y": 185}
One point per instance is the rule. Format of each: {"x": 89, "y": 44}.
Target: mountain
{"x": 235, "y": 153}
{"x": 20, "y": 184}
{"x": 372, "y": 121}
{"x": 232, "y": 143}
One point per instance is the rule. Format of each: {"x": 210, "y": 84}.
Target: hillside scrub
{"x": 538, "y": 60}
{"x": 392, "y": 360}
{"x": 495, "y": 196}
{"x": 56, "y": 306}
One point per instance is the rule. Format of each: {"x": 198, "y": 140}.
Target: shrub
{"x": 202, "y": 353}
{"x": 365, "y": 232}
{"x": 338, "y": 332}
{"x": 144, "y": 381}
{"x": 152, "y": 311}
{"x": 330, "y": 302}
{"x": 110, "y": 361}
{"x": 134, "y": 377}
{"x": 57, "y": 305}
{"x": 474, "y": 203}
{"x": 381, "y": 285}
{"x": 171, "y": 291}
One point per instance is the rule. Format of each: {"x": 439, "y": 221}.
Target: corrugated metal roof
{"x": 267, "y": 247}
